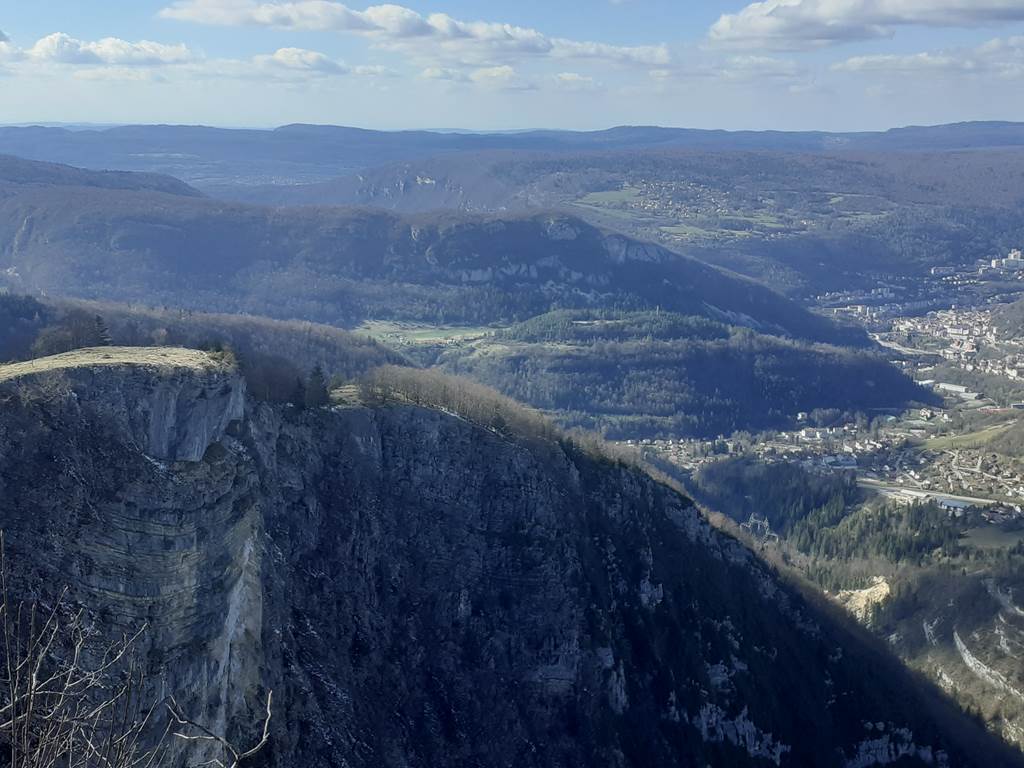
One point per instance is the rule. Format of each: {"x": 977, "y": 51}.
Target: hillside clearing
{"x": 156, "y": 357}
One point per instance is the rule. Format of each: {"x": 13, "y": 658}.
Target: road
{"x": 878, "y": 485}
{"x": 905, "y": 350}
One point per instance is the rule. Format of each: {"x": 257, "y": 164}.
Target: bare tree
{"x": 71, "y": 700}
{"x": 189, "y": 730}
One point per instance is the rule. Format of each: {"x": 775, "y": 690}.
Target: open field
{"x": 978, "y": 439}
{"x": 618, "y": 214}
{"x": 758, "y": 219}
{"x": 157, "y": 357}
{"x": 612, "y": 197}
{"x": 686, "y": 230}
{"x": 412, "y": 333}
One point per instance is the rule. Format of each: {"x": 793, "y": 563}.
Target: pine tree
{"x": 102, "y": 332}
{"x": 317, "y": 394}
{"x": 299, "y": 394}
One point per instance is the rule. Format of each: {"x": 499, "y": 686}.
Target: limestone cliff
{"x": 170, "y": 403}
{"x": 419, "y": 591}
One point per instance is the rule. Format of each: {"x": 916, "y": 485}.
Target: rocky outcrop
{"x": 420, "y": 591}
{"x": 170, "y": 403}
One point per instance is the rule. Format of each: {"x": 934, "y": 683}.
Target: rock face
{"x": 170, "y": 403}
{"x": 419, "y": 591}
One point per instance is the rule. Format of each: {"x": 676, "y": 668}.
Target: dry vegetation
{"x": 473, "y": 402}
{"x": 156, "y": 357}
{"x": 71, "y": 698}
{"x": 489, "y": 409}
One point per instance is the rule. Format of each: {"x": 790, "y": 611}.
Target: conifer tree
{"x": 102, "y": 332}
{"x": 299, "y": 393}
{"x": 317, "y": 394}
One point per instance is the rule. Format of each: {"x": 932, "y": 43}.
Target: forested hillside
{"x": 641, "y": 375}
{"x": 804, "y": 222}
{"x": 341, "y": 266}
{"x": 17, "y": 173}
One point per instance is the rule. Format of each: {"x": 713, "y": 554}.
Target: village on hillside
{"x": 939, "y": 453}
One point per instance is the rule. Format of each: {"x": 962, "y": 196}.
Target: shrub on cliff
{"x": 473, "y": 402}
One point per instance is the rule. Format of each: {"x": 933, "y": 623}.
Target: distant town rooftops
{"x": 955, "y": 504}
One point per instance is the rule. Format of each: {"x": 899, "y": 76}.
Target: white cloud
{"x": 759, "y": 67}
{"x": 807, "y": 24}
{"x": 373, "y": 70}
{"x": 918, "y": 62}
{"x": 398, "y": 21}
{"x": 444, "y": 73}
{"x": 437, "y": 37}
{"x": 9, "y": 52}
{"x": 293, "y": 64}
{"x": 647, "y": 55}
{"x": 60, "y": 48}
{"x": 501, "y": 78}
{"x": 305, "y": 14}
{"x": 116, "y": 59}
{"x": 1001, "y": 57}
{"x": 742, "y": 68}
{"x": 574, "y": 81}
{"x": 301, "y": 60}
{"x": 122, "y": 74}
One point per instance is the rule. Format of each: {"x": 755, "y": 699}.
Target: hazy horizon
{"x": 86, "y": 126}
{"x": 736, "y": 65}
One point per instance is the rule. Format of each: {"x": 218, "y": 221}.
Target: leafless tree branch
{"x": 68, "y": 700}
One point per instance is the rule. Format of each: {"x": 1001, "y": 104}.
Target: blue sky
{"x": 786, "y": 64}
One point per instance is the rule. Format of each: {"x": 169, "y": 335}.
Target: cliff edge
{"x": 172, "y": 403}
{"x": 420, "y": 591}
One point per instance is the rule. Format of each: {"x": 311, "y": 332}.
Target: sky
{"x": 509, "y": 65}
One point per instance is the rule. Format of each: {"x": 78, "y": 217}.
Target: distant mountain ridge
{"x": 343, "y": 266}
{"x": 305, "y": 153}
{"x": 509, "y": 181}
{"x": 18, "y": 173}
